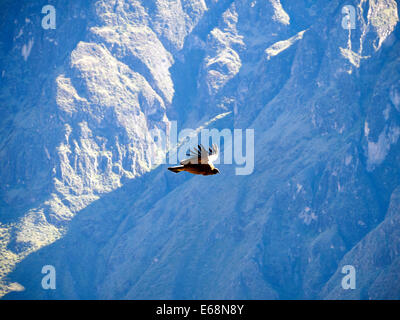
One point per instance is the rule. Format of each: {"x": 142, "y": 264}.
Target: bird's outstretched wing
{"x": 213, "y": 153}
{"x": 201, "y": 155}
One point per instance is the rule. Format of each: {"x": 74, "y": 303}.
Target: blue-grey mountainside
{"x": 82, "y": 188}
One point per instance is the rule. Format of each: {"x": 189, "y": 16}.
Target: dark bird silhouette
{"x": 200, "y": 162}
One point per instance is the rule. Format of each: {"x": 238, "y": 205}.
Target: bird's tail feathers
{"x": 176, "y": 169}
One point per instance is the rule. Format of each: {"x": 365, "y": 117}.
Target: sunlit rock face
{"x": 80, "y": 189}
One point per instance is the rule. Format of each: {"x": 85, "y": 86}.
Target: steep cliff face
{"x": 79, "y": 103}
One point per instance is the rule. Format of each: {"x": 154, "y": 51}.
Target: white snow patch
{"x": 20, "y": 33}
{"x": 307, "y": 215}
{"x": 377, "y": 151}
{"x": 382, "y": 15}
{"x": 386, "y": 113}
{"x": 47, "y": 153}
{"x": 353, "y": 57}
{"x": 348, "y": 159}
{"x": 26, "y": 49}
{"x": 366, "y": 129}
{"x": 280, "y": 14}
{"x": 280, "y": 46}
{"x": 395, "y": 98}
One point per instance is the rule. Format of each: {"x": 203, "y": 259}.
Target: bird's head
{"x": 215, "y": 171}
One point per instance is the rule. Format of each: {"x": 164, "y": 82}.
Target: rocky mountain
{"x": 83, "y": 189}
